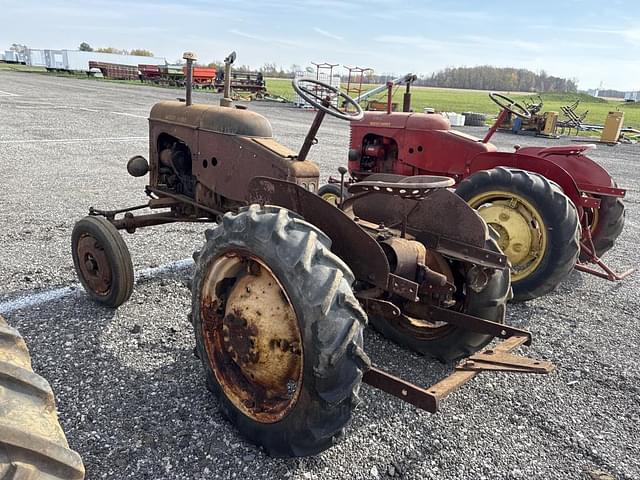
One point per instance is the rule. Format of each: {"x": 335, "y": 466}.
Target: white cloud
{"x": 324, "y": 33}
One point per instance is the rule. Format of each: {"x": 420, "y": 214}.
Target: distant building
{"x": 632, "y": 96}
{"x": 594, "y": 92}
{"x": 78, "y": 61}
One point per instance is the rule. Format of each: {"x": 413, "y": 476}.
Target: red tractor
{"x": 551, "y": 206}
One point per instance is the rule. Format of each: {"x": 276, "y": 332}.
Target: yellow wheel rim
{"x": 523, "y": 235}
{"x": 331, "y": 198}
{"x": 252, "y": 337}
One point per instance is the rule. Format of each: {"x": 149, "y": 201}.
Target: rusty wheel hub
{"x": 94, "y": 265}
{"x": 251, "y": 334}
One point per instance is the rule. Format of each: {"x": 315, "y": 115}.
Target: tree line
{"x": 496, "y": 78}
{"x": 141, "y": 52}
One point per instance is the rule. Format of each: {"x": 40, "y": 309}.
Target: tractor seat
{"x": 416, "y": 187}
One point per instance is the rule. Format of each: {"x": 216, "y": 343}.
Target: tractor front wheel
{"x": 278, "y": 330}
{"x": 537, "y": 224}
{"x": 102, "y": 261}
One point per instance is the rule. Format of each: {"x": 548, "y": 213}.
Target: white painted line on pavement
{"x": 39, "y": 298}
{"x": 130, "y": 115}
{"x": 74, "y": 140}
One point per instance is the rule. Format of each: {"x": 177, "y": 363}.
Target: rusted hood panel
{"x": 212, "y": 118}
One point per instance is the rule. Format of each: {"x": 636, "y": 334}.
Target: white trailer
{"x": 36, "y": 58}
{"x": 76, "y": 60}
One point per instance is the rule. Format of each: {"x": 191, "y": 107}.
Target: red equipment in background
{"x": 202, "y": 76}
{"x": 522, "y": 193}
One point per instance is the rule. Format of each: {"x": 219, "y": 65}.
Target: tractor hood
{"x": 404, "y": 120}
{"x": 212, "y": 118}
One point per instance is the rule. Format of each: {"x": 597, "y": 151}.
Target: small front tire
{"x": 102, "y": 261}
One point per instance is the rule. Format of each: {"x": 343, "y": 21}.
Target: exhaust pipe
{"x": 190, "y": 57}
{"x": 226, "y": 100}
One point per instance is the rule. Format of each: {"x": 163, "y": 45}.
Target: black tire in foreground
{"x": 449, "y": 343}
{"x": 547, "y": 211}
{"x": 611, "y": 216}
{"x": 235, "y": 343}
{"x": 102, "y": 261}
{"x": 32, "y": 443}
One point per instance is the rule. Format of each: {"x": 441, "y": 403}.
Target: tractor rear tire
{"x": 489, "y": 304}
{"x": 611, "y": 216}
{"x": 32, "y": 443}
{"x": 472, "y": 119}
{"x": 559, "y": 218}
{"x": 329, "y": 322}
{"x": 109, "y": 277}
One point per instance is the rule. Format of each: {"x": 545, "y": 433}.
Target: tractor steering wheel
{"x": 510, "y": 105}
{"x": 315, "y": 94}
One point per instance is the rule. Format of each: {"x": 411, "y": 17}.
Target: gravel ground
{"x": 131, "y": 395}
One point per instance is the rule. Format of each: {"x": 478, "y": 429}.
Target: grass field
{"x": 455, "y": 100}
{"x": 441, "y": 99}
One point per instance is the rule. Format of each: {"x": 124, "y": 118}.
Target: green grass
{"x": 454, "y": 100}
{"x": 21, "y": 68}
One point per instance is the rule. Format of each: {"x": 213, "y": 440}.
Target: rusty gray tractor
{"x": 285, "y": 283}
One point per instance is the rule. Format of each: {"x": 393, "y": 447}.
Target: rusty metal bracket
{"x": 403, "y": 287}
{"x": 462, "y": 251}
{"x": 476, "y": 324}
{"x": 410, "y": 393}
{"x": 497, "y": 358}
{"x": 504, "y": 362}
{"x": 379, "y": 307}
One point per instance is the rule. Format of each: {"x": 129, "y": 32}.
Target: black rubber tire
{"x": 32, "y": 443}
{"x": 473, "y": 119}
{"x": 331, "y": 322}
{"x": 610, "y": 224}
{"x": 118, "y": 256}
{"x": 490, "y": 304}
{"x": 560, "y": 217}
{"x": 333, "y": 188}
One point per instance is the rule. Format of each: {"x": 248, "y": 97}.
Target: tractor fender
{"x": 350, "y": 242}
{"x": 542, "y": 166}
{"x": 589, "y": 175}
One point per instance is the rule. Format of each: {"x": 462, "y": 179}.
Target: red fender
{"x": 588, "y": 175}
{"x": 539, "y": 165}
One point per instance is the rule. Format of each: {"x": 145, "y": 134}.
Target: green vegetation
{"x": 21, "y": 68}
{"x": 453, "y": 100}
{"x": 487, "y": 77}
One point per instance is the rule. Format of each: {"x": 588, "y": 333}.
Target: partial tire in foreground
{"x": 278, "y": 330}
{"x": 537, "y": 224}
{"x": 102, "y": 261}
{"x": 446, "y": 342}
{"x": 32, "y": 443}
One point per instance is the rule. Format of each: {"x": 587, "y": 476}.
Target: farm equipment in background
{"x": 376, "y": 105}
{"x": 542, "y": 124}
{"x": 203, "y": 77}
{"x": 251, "y": 83}
{"x": 553, "y": 207}
{"x": 115, "y": 71}
{"x": 285, "y": 282}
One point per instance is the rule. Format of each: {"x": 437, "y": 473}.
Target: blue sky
{"x": 592, "y": 41}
